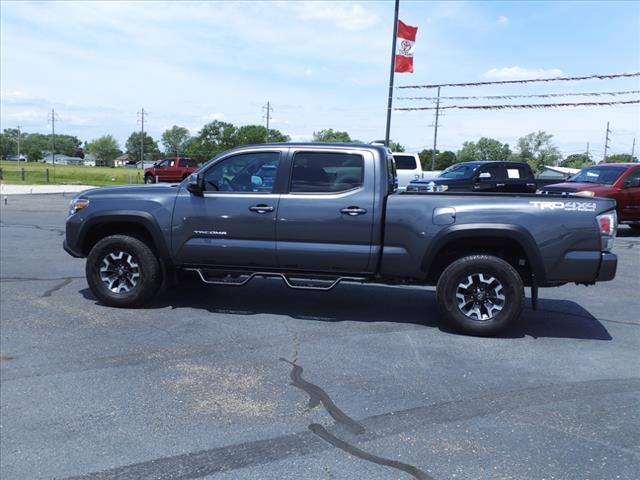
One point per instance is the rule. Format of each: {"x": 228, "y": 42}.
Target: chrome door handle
{"x": 262, "y": 208}
{"x": 500, "y": 184}
{"x": 353, "y": 211}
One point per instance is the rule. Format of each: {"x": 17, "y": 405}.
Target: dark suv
{"x": 513, "y": 177}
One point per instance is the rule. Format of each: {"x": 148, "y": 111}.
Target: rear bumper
{"x": 608, "y": 266}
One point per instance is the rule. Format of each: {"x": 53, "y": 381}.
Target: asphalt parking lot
{"x": 263, "y": 382}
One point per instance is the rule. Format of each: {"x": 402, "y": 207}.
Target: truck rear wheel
{"x": 480, "y": 294}
{"x": 122, "y": 271}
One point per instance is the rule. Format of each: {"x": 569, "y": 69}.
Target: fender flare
{"x": 497, "y": 230}
{"x": 137, "y": 217}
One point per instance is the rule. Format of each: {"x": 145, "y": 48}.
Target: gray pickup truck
{"x": 316, "y": 215}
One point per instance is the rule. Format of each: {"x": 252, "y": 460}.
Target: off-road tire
{"x": 454, "y": 280}
{"x": 148, "y": 267}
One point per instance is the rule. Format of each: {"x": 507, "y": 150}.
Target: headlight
{"x": 78, "y": 204}
{"x": 585, "y": 193}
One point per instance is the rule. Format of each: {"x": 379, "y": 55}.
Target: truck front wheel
{"x": 122, "y": 271}
{"x": 480, "y": 294}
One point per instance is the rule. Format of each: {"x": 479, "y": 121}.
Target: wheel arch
{"x": 141, "y": 225}
{"x": 510, "y": 242}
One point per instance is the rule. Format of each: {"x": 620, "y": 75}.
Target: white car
{"x": 408, "y": 168}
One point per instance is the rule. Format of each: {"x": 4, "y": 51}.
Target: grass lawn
{"x": 36, "y": 174}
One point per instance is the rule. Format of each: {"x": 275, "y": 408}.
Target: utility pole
{"x": 633, "y": 148}
{"x": 53, "y": 141}
{"x": 19, "y": 143}
{"x": 141, "y": 114}
{"x": 588, "y": 158}
{"x": 435, "y": 133}
{"x": 606, "y": 143}
{"x": 267, "y": 108}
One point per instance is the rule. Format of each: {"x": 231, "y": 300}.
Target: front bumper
{"x": 70, "y": 251}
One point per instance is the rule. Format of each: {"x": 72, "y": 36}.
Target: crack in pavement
{"x": 317, "y": 396}
{"x": 57, "y": 287}
{"x": 201, "y": 463}
{"x": 356, "y": 452}
{"x": 45, "y": 228}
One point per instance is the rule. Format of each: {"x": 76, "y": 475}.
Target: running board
{"x": 296, "y": 282}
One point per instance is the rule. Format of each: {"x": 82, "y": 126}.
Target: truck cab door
{"x": 630, "y": 196}
{"x": 233, "y": 223}
{"x": 326, "y": 217}
{"x": 489, "y": 178}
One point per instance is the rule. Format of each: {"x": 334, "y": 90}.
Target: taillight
{"x": 608, "y": 226}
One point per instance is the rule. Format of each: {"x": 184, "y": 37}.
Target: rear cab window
{"x": 326, "y": 172}
{"x": 405, "y": 162}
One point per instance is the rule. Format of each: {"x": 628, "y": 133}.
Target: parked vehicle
{"x": 317, "y": 214}
{"x": 620, "y": 181}
{"x": 173, "y": 169}
{"x": 408, "y": 168}
{"x": 512, "y": 177}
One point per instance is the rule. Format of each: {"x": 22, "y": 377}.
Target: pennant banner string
{"x": 541, "y": 95}
{"x": 526, "y": 106}
{"x": 498, "y": 82}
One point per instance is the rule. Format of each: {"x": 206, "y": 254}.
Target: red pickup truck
{"x": 620, "y": 181}
{"x": 173, "y": 169}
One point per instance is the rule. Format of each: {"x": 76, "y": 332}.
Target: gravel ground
{"x": 198, "y": 384}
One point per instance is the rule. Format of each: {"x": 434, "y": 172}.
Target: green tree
{"x": 150, "y": 146}
{"x": 396, "y": 147}
{"x": 105, "y": 149}
{"x": 443, "y": 159}
{"x": 538, "y": 150}
{"x": 621, "y": 158}
{"x": 8, "y": 144}
{"x": 484, "y": 149}
{"x": 254, "y": 134}
{"x": 34, "y": 154}
{"x": 175, "y": 140}
{"x": 577, "y": 160}
{"x": 215, "y": 137}
{"x": 329, "y": 135}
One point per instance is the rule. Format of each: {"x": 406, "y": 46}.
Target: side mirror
{"x": 485, "y": 176}
{"x": 195, "y": 184}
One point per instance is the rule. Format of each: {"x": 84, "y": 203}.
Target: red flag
{"x": 404, "y": 51}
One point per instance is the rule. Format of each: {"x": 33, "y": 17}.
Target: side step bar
{"x": 295, "y": 282}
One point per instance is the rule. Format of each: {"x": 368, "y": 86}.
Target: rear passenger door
{"x": 490, "y": 178}
{"x": 325, "y": 220}
{"x": 519, "y": 179}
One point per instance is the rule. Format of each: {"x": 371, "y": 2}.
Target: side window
{"x": 163, "y": 164}
{"x": 405, "y": 162}
{"x": 326, "y": 172}
{"x": 497, "y": 172}
{"x": 633, "y": 180}
{"x": 247, "y": 173}
{"x": 517, "y": 172}
{"x": 171, "y": 163}
{"x": 188, "y": 162}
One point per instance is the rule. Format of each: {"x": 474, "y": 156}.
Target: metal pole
{"x": 633, "y": 148}
{"x": 391, "y": 73}
{"x": 18, "y": 143}
{"x": 268, "y": 117}
{"x": 588, "y": 158}
{"x": 435, "y": 133}
{"x": 142, "y": 141}
{"x": 53, "y": 142}
{"x": 606, "y": 144}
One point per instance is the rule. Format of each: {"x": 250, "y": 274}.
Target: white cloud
{"x": 213, "y": 116}
{"x": 502, "y": 20}
{"x": 344, "y": 15}
{"x": 519, "y": 73}
{"x": 307, "y": 72}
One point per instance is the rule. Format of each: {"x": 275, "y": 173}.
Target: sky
{"x": 319, "y": 64}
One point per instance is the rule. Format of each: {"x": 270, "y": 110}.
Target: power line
{"x": 528, "y": 106}
{"x": 532, "y": 80}
{"x": 540, "y": 95}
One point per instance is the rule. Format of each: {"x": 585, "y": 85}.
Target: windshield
{"x": 601, "y": 175}
{"x": 458, "y": 171}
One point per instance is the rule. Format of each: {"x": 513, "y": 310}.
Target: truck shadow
{"x": 367, "y": 303}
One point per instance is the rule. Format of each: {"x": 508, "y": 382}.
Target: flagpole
{"x": 391, "y": 73}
